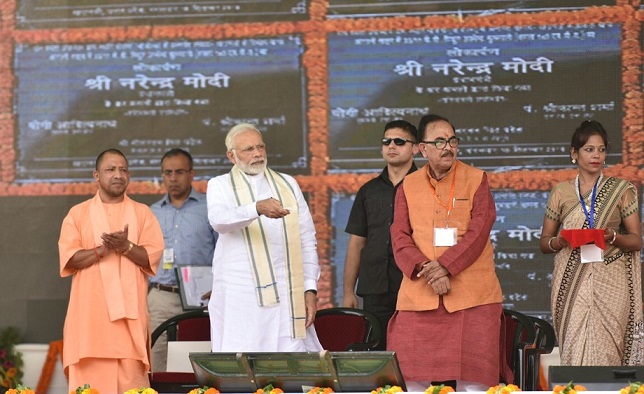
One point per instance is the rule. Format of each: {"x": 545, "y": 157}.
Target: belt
{"x": 171, "y": 289}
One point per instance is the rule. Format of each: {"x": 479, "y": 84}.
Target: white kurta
{"x": 238, "y": 323}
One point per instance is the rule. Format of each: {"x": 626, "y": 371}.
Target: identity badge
{"x": 445, "y": 236}
{"x": 168, "y": 258}
{"x": 591, "y": 253}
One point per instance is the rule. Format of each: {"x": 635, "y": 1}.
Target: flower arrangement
{"x": 86, "y": 389}
{"x": 320, "y": 390}
{"x": 503, "y": 389}
{"x": 204, "y": 390}
{"x": 441, "y": 389}
{"x": 142, "y": 390}
{"x": 387, "y": 390}
{"x": 633, "y": 388}
{"x": 10, "y": 360}
{"x": 269, "y": 390}
{"x": 570, "y": 388}
{"x": 20, "y": 390}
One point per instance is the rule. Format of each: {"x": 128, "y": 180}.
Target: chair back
{"x": 188, "y": 326}
{"x": 346, "y": 329}
{"x": 520, "y": 335}
{"x": 544, "y": 344}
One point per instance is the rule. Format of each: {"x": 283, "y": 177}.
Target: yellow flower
{"x": 570, "y": 388}
{"x": 141, "y": 390}
{"x": 387, "y": 390}
{"x": 269, "y": 390}
{"x": 20, "y": 390}
{"x": 320, "y": 390}
{"x": 86, "y": 389}
{"x": 633, "y": 388}
{"x": 204, "y": 390}
{"x": 503, "y": 389}
{"x": 441, "y": 389}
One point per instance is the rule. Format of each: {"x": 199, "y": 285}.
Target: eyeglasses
{"x": 175, "y": 172}
{"x": 440, "y": 143}
{"x": 250, "y": 149}
{"x": 397, "y": 141}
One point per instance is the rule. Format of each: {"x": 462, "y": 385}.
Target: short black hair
{"x": 403, "y": 125}
{"x": 178, "y": 152}
{"x": 112, "y": 151}
{"x": 428, "y": 119}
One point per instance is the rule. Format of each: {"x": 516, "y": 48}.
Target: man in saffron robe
{"x": 448, "y": 315}
{"x": 110, "y": 245}
{"x": 265, "y": 267}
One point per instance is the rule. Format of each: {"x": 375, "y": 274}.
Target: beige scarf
{"x": 118, "y": 273}
{"x": 257, "y": 246}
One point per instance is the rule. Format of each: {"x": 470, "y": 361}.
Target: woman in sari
{"x": 596, "y": 306}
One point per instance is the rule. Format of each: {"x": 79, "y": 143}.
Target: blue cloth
{"x": 187, "y": 231}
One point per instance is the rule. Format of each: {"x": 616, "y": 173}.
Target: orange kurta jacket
{"x": 473, "y": 286}
{"x": 89, "y": 330}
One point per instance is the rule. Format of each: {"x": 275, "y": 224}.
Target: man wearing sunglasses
{"x": 370, "y": 259}
{"x": 447, "y": 322}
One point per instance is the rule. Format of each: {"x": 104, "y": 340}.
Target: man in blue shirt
{"x": 188, "y": 237}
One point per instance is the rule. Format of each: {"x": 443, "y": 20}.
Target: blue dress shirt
{"x": 187, "y": 231}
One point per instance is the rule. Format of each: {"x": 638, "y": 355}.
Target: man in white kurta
{"x": 238, "y": 322}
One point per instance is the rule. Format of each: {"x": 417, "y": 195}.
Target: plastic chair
{"x": 545, "y": 343}
{"x": 189, "y": 326}
{"x": 520, "y": 335}
{"x": 347, "y": 329}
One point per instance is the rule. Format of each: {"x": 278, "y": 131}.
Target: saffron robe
{"x": 107, "y": 316}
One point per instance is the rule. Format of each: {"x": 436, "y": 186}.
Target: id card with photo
{"x": 445, "y": 236}
{"x": 168, "y": 258}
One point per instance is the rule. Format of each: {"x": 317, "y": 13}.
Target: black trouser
{"x": 383, "y": 306}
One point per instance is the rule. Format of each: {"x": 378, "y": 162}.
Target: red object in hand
{"x": 583, "y": 236}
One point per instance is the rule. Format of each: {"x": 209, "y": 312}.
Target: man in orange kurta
{"x": 448, "y": 315}
{"x": 110, "y": 244}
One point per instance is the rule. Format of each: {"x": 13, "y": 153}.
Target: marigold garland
{"x": 86, "y": 389}
{"x": 142, "y": 390}
{"x": 633, "y": 388}
{"x": 269, "y": 389}
{"x": 387, "y": 390}
{"x": 20, "y": 390}
{"x": 570, "y": 388}
{"x": 320, "y": 390}
{"x": 503, "y": 389}
{"x": 441, "y": 389}
{"x": 204, "y": 390}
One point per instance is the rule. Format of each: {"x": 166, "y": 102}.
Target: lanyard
{"x": 590, "y": 215}
{"x": 451, "y": 197}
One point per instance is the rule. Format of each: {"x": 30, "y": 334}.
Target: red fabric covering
{"x": 583, "y": 236}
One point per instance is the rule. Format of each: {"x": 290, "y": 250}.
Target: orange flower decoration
{"x": 269, "y": 390}
{"x": 441, "y": 389}
{"x": 86, "y": 389}
{"x": 20, "y": 390}
{"x": 633, "y": 388}
{"x": 320, "y": 390}
{"x": 387, "y": 390}
{"x": 503, "y": 389}
{"x": 570, "y": 388}
{"x": 204, "y": 390}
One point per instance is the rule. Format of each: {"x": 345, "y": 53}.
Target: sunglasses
{"x": 397, "y": 141}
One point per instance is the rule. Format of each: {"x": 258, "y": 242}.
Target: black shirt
{"x": 371, "y": 216}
